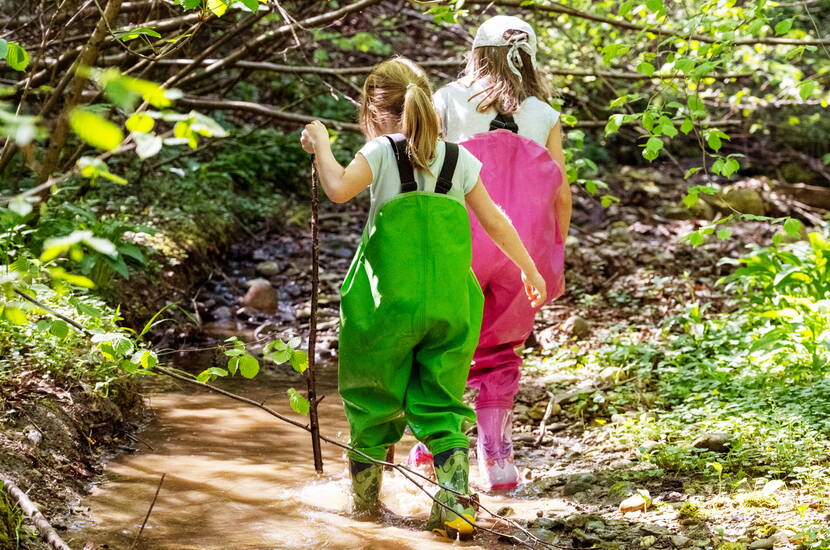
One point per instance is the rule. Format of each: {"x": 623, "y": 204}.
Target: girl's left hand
{"x": 535, "y": 288}
{"x": 314, "y": 134}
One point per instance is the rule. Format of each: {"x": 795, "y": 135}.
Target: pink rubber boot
{"x": 420, "y": 459}
{"x": 495, "y": 449}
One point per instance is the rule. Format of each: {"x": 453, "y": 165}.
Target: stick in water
{"x": 149, "y": 511}
{"x": 314, "y": 422}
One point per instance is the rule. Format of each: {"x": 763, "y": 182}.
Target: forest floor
{"x": 634, "y": 471}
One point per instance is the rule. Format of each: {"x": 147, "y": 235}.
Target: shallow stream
{"x": 237, "y": 478}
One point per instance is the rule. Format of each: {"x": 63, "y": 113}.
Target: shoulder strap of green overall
{"x": 407, "y": 174}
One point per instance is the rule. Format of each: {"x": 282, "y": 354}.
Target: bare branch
{"x": 266, "y": 110}
{"x": 555, "y": 7}
{"x": 283, "y": 30}
{"x": 427, "y": 64}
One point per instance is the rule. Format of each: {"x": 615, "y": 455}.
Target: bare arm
{"x": 501, "y": 230}
{"x": 340, "y": 184}
{"x": 564, "y": 201}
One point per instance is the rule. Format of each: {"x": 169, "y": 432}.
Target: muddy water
{"x": 236, "y": 478}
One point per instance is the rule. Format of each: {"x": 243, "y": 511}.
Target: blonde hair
{"x": 504, "y": 90}
{"x": 397, "y": 93}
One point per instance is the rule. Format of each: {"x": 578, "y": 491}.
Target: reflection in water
{"x": 238, "y": 479}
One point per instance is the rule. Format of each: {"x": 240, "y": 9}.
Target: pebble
{"x": 648, "y": 541}
{"x": 580, "y": 328}
{"x": 222, "y": 313}
{"x": 679, "y": 541}
{"x": 33, "y": 435}
{"x": 717, "y": 442}
{"x": 652, "y": 529}
{"x": 261, "y": 296}
{"x": 268, "y": 268}
{"x": 784, "y": 536}
{"x": 634, "y": 503}
{"x": 551, "y": 524}
{"x": 762, "y": 544}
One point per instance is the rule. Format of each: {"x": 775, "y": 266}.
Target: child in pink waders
{"x": 498, "y": 111}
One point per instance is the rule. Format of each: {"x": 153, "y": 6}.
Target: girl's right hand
{"x": 313, "y": 135}
{"x": 535, "y": 288}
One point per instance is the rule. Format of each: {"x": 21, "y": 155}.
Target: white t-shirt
{"x": 386, "y": 182}
{"x": 461, "y": 120}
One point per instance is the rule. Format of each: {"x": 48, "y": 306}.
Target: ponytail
{"x": 397, "y": 93}
{"x": 420, "y": 125}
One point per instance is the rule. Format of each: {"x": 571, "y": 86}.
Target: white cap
{"x": 492, "y": 33}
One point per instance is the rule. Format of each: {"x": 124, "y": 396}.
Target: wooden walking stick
{"x": 314, "y": 422}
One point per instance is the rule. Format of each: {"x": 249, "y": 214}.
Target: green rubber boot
{"x": 452, "y": 468}
{"x": 366, "y": 478}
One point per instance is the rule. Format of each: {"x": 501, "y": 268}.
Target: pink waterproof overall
{"x": 524, "y": 181}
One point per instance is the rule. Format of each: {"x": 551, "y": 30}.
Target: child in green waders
{"x": 411, "y": 308}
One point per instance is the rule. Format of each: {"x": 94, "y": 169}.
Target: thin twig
{"x": 60, "y": 316}
{"x": 149, "y": 511}
{"x": 545, "y": 419}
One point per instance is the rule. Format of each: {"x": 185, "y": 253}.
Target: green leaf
{"x": 132, "y": 251}
{"x": 209, "y": 374}
{"x": 614, "y": 123}
{"x": 20, "y": 206}
{"x": 695, "y": 238}
{"x": 806, "y": 88}
{"x": 93, "y": 168}
{"x": 147, "y": 145}
{"x": 17, "y": 57}
{"x": 690, "y": 199}
{"x": 59, "y": 328}
{"x": 4, "y": 48}
{"x": 724, "y": 233}
{"x": 730, "y": 167}
{"x": 96, "y": 131}
{"x": 784, "y": 26}
{"x": 15, "y": 315}
{"x": 793, "y": 227}
{"x": 714, "y": 141}
{"x": 608, "y": 200}
{"x": 248, "y": 366}
{"x": 299, "y": 404}
{"x": 645, "y": 68}
{"x": 252, "y": 5}
{"x": 130, "y": 34}
{"x": 687, "y": 126}
{"x": 140, "y": 122}
{"x": 691, "y": 172}
{"x": 279, "y": 356}
{"x": 654, "y": 143}
{"x": 299, "y": 361}
{"x": 655, "y": 5}
{"x": 218, "y": 7}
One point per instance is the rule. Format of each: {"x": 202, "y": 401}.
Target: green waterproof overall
{"x": 410, "y": 316}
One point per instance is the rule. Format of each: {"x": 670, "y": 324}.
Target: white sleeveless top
{"x": 461, "y": 120}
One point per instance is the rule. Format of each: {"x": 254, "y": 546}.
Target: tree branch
{"x": 555, "y": 7}
{"x": 266, "y": 110}
{"x": 76, "y": 88}
{"x": 427, "y": 64}
{"x": 30, "y": 510}
{"x": 284, "y": 30}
